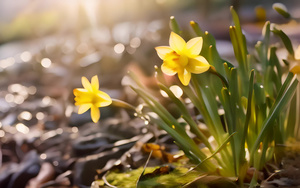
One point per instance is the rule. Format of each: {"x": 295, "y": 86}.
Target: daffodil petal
{"x": 184, "y": 77}
{"x": 82, "y": 100}
{"x": 194, "y": 45}
{"x": 82, "y": 97}
{"x": 86, "y": 84}
{"x": 83, "y": 108}
{"x": 95, "y": 83}
{"x": 197, "y": 65}
{"x": 79, "y": 102}
{"x": 168, "y": 70}
{"x": 297, "y": 53}
{"x": 104, "y": 95}
{"x": 105, "y": 99}
{"x": 103, "y": 103}
{"x": 296, "y": 69}
{"x": 162, "y": 51}
{"x": 79, "y": 91}
{"x": 95, "y": 113}
{"x": 177, "y": 43}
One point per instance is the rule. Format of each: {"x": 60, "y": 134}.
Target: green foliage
{"x": 173, "y": 178}
{"x": 253, "y": 97}
{"x": 281, "y": 9}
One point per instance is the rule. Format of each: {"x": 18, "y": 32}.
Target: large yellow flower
{"x": 182, "y": 58}
{"x": 91, "y": 97}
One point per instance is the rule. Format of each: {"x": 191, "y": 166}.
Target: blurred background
{"x": 46, "y": 46}
{"x": 95, "y": 28}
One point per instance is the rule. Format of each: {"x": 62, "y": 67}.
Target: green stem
{"x": 174, "y": 25}
{"x": 122, "y": 104}
{"x": 223, "y": 79}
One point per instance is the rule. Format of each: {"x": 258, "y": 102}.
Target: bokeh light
{"x": 22, "y": 128}
{"x": 119, "y": 48}
{"x": 26, "y": 56}
{"x": 40, "y": 115}
{"x": 25, "y": 115}
{"x": 46, "y": 62}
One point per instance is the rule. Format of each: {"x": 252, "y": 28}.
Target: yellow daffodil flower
{"x": 91, "y": 97}
{"x": 182, "y": 58}
{"x": 296, "y": 67}
{"x": 296, "y": 70}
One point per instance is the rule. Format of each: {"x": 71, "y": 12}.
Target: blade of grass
{"x": 240, "y": 37}
{"x": 282, "y": 100}
{"x": 222, "y": 146}
{"x": 209, "y": 102}
{"x": 291, "y": 120}
{"x": 174, "y": 25}
{"x": 286, "y": 41}
{"x": 242, "y": 151}
{"x": 266, "y": 34}
{"x": 235, "y": 44}
{"x": 138, "y": 183}
{"x": 276, "y": 63}
{"x": 161, "y": 111}
{"x": 186, "y": 116}
{"x": 187, "y": 145}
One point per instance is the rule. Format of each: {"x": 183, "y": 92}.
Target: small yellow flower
{"x": 182, "y": 58}
{"x": 91, "y": 97}
{"x": 296, "y": 66}
{"x": 296, "y": 70}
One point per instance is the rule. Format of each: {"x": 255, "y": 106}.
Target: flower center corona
{"x": 175, "y": 60}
